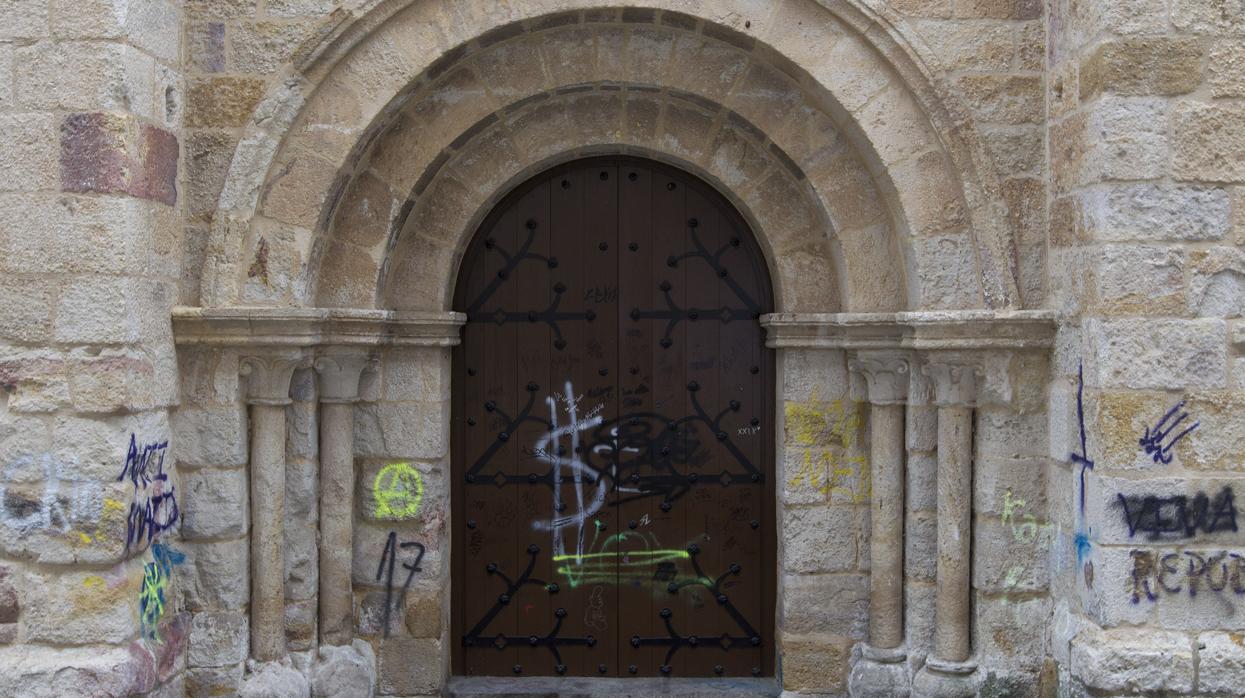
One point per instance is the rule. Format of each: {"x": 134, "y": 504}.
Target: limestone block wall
{"x": 90, "y": 249}
{"x": 1145, "y": 241}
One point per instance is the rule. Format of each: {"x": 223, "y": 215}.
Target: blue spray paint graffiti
{"x": 1152, "y": 441}
{"x": 152, "y": 595}
{"x": 1082, "y": 458}
{"x": 154, "y": 509}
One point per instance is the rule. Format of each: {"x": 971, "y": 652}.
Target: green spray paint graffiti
{"x": 627, "y": 558}
{"x": 398, "y": 490}
{"x": 152, "y": 597}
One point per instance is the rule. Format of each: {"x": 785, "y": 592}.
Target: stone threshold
{"x": 585, "y": 687}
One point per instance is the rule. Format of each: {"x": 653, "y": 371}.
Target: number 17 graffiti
{"x": 391, "y": 555}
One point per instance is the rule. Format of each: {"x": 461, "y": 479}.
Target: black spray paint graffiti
{"x": 1178, "y": 516}
{"x": 1153, "y": 440}
{"x": 390, "y": 556}
{"x": 154, "y": 509}
{"x": 1082, "y": 458}
{"x": 1176, "y": 572}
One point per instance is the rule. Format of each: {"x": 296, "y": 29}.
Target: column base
{"x": 881, "y": 673}
{"x": 943, "y": 679}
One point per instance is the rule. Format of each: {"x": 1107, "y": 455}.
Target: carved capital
{"x": 339, "y": 375}
{"x": 955, "y": 382}
{"x": 267, "y": 375}
{"x": 886, "y": 376}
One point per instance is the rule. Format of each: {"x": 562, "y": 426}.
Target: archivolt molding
{"x": 854, "y": 59}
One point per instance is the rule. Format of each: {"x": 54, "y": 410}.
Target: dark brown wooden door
{"x": 613, "y": 432}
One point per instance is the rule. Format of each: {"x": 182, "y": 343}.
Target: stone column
{"x": 949, "y": 668}
{"x": 882, "y": 670}
{"x": 268, "y": 392}
{"x": 339, "y": 389}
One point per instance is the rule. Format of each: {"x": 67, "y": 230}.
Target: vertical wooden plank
{"x": 699, "y": 614}
{"x": 668, "y": 294}
{"x": 638, "y": 584}
{"x": 530, "y": 293}
{"x": 600, "y": 299}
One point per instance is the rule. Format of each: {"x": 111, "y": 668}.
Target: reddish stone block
{"x": 116, "y": 154}
{"x": 93, "y": 153}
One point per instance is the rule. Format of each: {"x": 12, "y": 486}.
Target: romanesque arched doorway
{"x": 613, "y": 443}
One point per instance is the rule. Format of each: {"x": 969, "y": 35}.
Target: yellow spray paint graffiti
{"x": 398, "y": 490}
{"x": 824, "y": 434}
{"x": 1025, "y": 529}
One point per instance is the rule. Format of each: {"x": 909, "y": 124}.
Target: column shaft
{"x": 267, "y": 531}
{"x": 886, "y": 452}
{"x": 952, "y": 639}
{"x": 336, "y": 522}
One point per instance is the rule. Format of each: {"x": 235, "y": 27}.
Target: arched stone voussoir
{"x": 705, "y": 139}
{"x": 869, "y": 81}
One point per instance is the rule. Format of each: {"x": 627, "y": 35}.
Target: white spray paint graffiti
{"x": 548, "y": 451}
{"x": 62, "y": 504}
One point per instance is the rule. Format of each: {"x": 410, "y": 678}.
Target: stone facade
{"x": 1005, "y": 238}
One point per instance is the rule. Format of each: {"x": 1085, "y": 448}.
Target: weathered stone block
{"x": 1157, "y": 212}
{"x": 947, "y": 273}
{"x": 1133, "y": 659}
{"x": 214, "y": 503}
{"x": 262, "y": 48}
{"x": 300, "y": 625}
{"x": 210, "y": 436}
{"x": 221, "y": 576}
{"x": 1208, "y": 142}
{"x": 1004, "y": 99}
{"x": 1011, "y": 556}
{"x": 1127, "y": 138}
{"x": 423, "y": 613}
{"x": 1226, "y": 69}
{"x": 1202, "y": 17}
{"x": 214, "y": 681}
{"x": 222, "y": 101}
{"x": 999, "y": 622}
{"x": 28, "y": 152}
{"x": 77, "y": 608}
{"x": 409, "y": 666}
{"x": 1139, "y": 279}
{"x": 815, "y": 663}
{"x": 219, "y": 639}
{"x": 1158, "y": 355}
{"x": 1142, "y": 66}
{"x": 834, "y": 603}
{"x": 921, "y": 547}
{"x": 1217, "y": 284}
{"x": 344, "y": 671}
{"x": 819, "y": 539}
{"x": 1221, "y": 663}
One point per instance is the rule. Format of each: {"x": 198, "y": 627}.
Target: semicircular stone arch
{"x": 835, "y": 164}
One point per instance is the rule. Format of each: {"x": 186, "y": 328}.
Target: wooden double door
{"x": 613, "y": 432}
